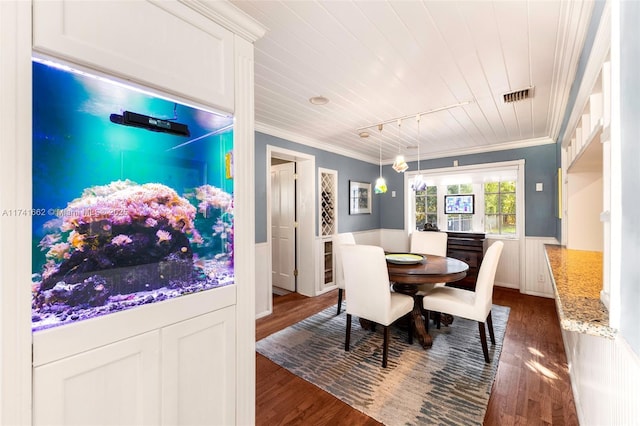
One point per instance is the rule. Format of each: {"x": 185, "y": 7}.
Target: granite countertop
{"x": 577, "y": 282}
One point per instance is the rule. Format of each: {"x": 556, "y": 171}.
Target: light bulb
{"x": 400, "y": 165}
{"x": 381, "y": 186}
{"x": 419, "y": 184}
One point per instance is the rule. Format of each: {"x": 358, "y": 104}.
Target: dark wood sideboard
{"x": 468, "y": 247}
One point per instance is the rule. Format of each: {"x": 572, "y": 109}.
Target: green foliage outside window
{"x": 427, "y": 206}
{"x": 499, "y": 201}
{"x": 500, "y": 207}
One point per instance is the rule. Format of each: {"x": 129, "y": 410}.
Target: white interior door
{"x": 283, "y": 226}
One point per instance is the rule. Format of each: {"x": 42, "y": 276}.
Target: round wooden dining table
{"x": 433, "y": 269}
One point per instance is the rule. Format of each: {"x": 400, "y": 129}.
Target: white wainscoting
{"x": 394, "y": 240}
{"x": 508, "y": 272}
{"x": 264, "y": 303}
{"x": 605, "y": 377}
{"x": 537, "y": 279}
{"x": 534, "y": 281}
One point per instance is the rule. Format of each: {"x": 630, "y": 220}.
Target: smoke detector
{"x": 518, "y": 95}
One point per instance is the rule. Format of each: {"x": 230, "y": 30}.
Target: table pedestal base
{"x": 421, "y": 333}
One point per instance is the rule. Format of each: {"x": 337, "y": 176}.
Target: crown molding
{"x": 525, "y": 143}
{"x": 230, "y": 17}
{"x": 313, "y": 143}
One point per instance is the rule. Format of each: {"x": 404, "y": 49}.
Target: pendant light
{"x": 418, "y": 182}
{"x": 381, "y": 184}
{"x": 400, "y": 165}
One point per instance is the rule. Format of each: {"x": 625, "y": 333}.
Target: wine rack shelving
{"x": 328, "y": 185}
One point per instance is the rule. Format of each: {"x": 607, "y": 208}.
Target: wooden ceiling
{"x": 379, "y": 60}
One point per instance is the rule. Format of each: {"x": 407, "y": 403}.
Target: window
{"x": 460, "y": 222}
{"x": 500, "y": 207}
{"x": 426, "y": 207}
{"x": 498, "y": 190}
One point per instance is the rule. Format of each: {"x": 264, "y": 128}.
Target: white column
{"x": 15, "y": 225}
{"x": 244, "y": 237}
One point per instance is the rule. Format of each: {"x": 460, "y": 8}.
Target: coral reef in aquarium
{"x": 119, "y": 244}
{"x": 214, "y": 213}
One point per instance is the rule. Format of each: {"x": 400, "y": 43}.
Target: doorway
{"x": 304, "y": 253}
{"x": 283, "y": 229}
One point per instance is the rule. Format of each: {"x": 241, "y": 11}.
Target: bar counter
{"x": 577, "y": 281}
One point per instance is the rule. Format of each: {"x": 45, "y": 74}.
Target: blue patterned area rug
{"x": 448, "y": 384}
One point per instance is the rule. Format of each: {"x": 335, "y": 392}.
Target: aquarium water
{"x": 132, "y": 198}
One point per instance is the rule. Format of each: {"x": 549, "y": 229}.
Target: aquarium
{"x": 132, "y": 197}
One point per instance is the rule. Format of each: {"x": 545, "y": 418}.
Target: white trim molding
{"x": 15, "y": 231}
{"x": 304, "y": 140}
{"x": 228, "y": 16}
{"x": 599, "y": 51}
{"x": 306, "y": 216}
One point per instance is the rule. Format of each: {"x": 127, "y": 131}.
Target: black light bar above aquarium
{"x": 129, "y": 118}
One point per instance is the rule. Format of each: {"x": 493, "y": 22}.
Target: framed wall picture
{"x": 359, "y": 197}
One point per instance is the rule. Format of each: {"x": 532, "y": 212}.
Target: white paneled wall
{"x": 508, "y": 272}
{"x": 605, "y": 376}
{"x": 394, "y": 240}
{"x": 264, "y": 304}
{"x": 531, "y": 278}
{"x": 537, "y": 281}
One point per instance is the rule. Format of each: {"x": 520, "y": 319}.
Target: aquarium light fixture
{"x": 129, "y": 118}
{"x": 206, "y": 135}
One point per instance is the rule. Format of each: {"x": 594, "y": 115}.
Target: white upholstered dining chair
{"x": 370, "y": 298}
{"x": 428, "y": 242}
{"x": 468, "y": 304}
{"x": 338, "y": 240}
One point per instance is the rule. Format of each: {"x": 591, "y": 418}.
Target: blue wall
{"x": 540, "y": 166}
{"x": 388, "y": 211}
{"x": 348, "y": 169}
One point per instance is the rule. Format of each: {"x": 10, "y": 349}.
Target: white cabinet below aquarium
{"x": 117, "y": 384}
{"x": 181, "y": 373}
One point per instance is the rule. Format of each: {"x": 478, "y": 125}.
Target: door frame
{"x": 294, "y": 238}
{"x": 306, "y": 217}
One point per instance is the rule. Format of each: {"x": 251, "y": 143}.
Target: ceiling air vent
{"x": 518, "y": 95}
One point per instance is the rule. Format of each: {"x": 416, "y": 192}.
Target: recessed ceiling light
{"x": 319, "y": 100}
{"x": 364, "y": 134}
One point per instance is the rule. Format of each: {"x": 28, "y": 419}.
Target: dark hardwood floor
{"x": 531, "y": 387}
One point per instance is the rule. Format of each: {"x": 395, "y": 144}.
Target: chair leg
{"x": 348, "y": 334}
{"x": 385, "y": 346}
{"x": 490, "y": 326}
{"x": 339, "y": 300}
{"x": 483, "y": 341}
